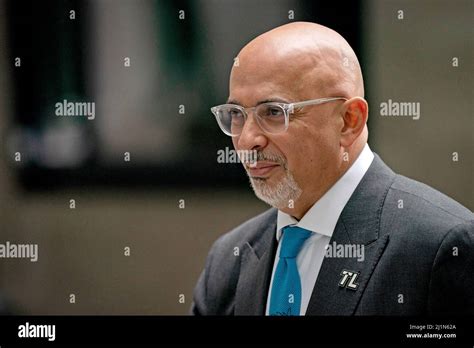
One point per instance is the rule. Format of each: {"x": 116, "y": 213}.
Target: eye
{"x": 273, "y": 111}
{"x": 235, "y": 113}
{"x": 236, "y": 117}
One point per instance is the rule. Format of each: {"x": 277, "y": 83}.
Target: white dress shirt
{"x": 321, "y": 220}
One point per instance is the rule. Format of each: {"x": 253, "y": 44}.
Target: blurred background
{"x": 143, "y": 174}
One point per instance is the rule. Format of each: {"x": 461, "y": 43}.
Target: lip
{"x": 261, "y": 168}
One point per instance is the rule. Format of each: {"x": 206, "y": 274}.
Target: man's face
{"x": 298, "y": 163}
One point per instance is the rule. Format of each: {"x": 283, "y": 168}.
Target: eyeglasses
{"x": 272, "y": 117}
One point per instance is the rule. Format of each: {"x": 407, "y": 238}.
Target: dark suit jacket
{"x": 419, "y": 259}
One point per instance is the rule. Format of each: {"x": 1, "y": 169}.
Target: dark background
{"x": 174, "y": 156}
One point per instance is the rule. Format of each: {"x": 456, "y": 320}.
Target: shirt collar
{"x": 323, "y": 215}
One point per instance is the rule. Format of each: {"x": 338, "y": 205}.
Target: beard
{"x": 279, "y": 194}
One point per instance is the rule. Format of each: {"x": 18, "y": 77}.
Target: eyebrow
{"x": 270, "y": 100}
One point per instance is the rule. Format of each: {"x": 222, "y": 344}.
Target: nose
{"x": 252, "y": 136}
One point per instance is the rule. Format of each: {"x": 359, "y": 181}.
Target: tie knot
{"x": 293, "y": 239}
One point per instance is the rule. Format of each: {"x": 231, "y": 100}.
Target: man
{"x": 346, "y": 235}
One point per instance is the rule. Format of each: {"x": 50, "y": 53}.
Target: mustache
{"x": 267, "y": 156}
{"x": 271, "y": 157}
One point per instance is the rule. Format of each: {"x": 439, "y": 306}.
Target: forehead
{"x": 266, "y": 74}
{"x": 253, "y": 95}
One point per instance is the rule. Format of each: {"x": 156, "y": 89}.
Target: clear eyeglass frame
{"x": 288, "y": 108}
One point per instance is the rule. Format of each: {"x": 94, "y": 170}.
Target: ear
{"x": 354, "y": 115}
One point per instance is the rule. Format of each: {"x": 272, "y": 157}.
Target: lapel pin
{"x": 348, "y": 279}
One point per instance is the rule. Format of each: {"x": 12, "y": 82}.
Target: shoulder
{"x": 248, "y": 231}
{"x": 422, "y": 202}
{"x": 223, "y": 258}
{"x": 418, "y": 215}
{"x": 217, "y": 284}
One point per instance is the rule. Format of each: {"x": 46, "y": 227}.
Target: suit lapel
{"x": 358, "y": 224}
{"x": 256, "y": 268}
{"x": 328, "y": 297}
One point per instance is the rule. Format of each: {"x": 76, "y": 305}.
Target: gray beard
{"x": 279, "y": 195}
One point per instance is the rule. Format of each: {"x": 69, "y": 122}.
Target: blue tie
{"x": 286, "y": 288}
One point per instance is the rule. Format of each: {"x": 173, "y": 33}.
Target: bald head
{"x": 313, "y": 60}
